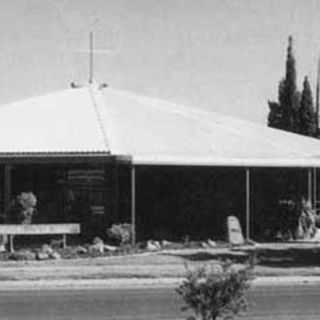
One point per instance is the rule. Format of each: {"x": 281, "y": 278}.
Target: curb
{"x": 139, "y": 283}
{"x": 89, "y": 284}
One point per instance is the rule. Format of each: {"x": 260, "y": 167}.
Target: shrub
{"x": 213, "y": 292}
{"x": 120, "y": 232}
{"x": 23, "y": 208}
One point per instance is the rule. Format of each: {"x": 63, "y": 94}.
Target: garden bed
{"x": 77, "y": 251}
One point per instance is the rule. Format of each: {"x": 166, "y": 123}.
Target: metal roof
{"x": 152, "y": 132}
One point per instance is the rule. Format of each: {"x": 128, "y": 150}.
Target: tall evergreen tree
{"x": 289, "y": 98}
{"x": 275, "y": 117}
{"x": 306, "y": 112}
{"x": 285, "y": 113}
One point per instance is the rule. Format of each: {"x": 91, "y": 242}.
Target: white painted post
{"x": 310, "y": 185}
{"x": 133, "y": 205}
{"x": 247, "y": 204}
{"x": 315, "y": 188}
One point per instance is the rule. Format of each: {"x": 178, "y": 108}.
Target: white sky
{"x": 227, "y": 56}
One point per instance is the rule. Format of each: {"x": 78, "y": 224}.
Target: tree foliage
{"x": 213, "y": 293}
{"x": 307, "y": 114}
{"x": 294, "y": 111}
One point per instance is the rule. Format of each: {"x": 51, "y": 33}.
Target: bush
{"x": 120, "y": 232}
{"x": 23, "y": 208}
{"x": 213, "y": 293}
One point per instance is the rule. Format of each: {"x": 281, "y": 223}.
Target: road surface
{"x": 285, "y": 302}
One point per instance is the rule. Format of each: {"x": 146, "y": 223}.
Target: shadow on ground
{"x": 285, "y": 258}
{"x": 237, "y": 257}
{"x": 289, "y": 258}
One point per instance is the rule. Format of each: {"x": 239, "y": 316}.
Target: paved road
{"x": 286, "y": 302}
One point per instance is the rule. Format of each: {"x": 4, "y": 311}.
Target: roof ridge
{"x": 99, "y": 117}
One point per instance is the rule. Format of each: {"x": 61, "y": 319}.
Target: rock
{"x": 211, "y": 243}
{"x": 165, "y": 243}
{"x": 97, "y": 240}
{"x": 46, "y": 249}
{"x": 3, "y": 242}
{"x": 204, "y": 245}
{"x": 235, "y": 235}
{"x": 81, "y": 250}
{"x": 42, "y": 256}
{"x": 152, "y": 245}
{"x": 99, "y": 247}
{"x": 316, "y": 236}
{"x": 55, "y": 255}
{"x": 157, "y": 244}
{"x": 110, "y": 248}
{"x": 22, "y": 255}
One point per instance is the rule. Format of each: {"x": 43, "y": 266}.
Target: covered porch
{"x": 80, "y": 189}
{"x": 178, "y": 202}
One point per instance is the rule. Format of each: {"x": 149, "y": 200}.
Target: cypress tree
{"x": 276, "y": 117}
{"x": 306, "y": 112}
{"x": 285, "y": 113}
{"x": 289, "y": 99}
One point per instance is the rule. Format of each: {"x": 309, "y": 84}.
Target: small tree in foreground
{"x": 213, "y": 293}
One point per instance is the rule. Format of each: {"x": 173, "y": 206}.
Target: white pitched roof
{"x": 61, "y": 122}
{"x": 151, "y": 131}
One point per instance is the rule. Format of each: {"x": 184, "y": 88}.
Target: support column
{"x": 310, "y": 185}
{"x": 247, "y": 204}
{"x": 315, "y": 188}
{"x": 7, "y": 188}
{"x": 133, "y": 205}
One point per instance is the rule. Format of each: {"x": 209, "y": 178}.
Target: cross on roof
{"x": 91, "y": 53}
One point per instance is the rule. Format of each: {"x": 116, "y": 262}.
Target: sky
{"x": 221, "y": 55}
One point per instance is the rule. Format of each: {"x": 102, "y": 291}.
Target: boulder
{"x": 316, "y": 237}
{"x": 235, "y": 235}
{"x": 165, "y": 243}
{"x": 42, "y": 255}
{"x": 211, "y": 243}
{"x": 55, "y": 255}
{"x": 45, "y": 248}
{"x": 97, "y": 240}
{"x": 3, "y": 242}
{"x": 81, "y": 250}
{"x": 110, "y": 248}
{"x": 99, "y": 247}
{"x": 153, "y": 245}
{"x": 204, "y": 245}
